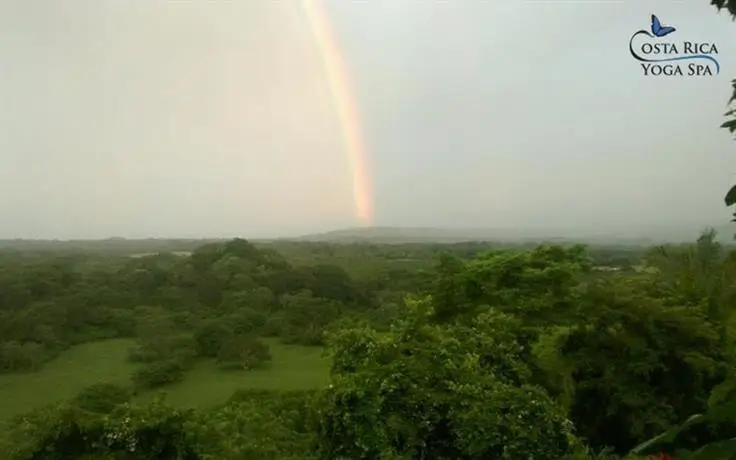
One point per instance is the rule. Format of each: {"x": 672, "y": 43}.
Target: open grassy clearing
{"x": 293, "y": 367}
{"x": 63, "y": 377}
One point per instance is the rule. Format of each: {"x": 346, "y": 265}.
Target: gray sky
{"x": 213, "y": 118}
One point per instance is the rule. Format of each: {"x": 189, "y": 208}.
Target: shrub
{"x": 208, "y": 338}
{"x": 243, "y": 352}
{"x": 101, "y": 397}
{"x": 159, "y": 373}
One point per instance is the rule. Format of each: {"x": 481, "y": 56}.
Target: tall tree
{"x": 728, "y": 5}
{"x": 730, "y": 123}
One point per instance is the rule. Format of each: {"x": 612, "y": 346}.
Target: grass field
{"x": 63, "y": 377}
{"x": 293, "y": 367}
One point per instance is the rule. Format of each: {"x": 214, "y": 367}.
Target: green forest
{"x": 276, "y": 350}
{"x": 316, "y": 350}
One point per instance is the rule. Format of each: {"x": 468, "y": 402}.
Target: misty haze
{"x": 219, "y": 119}
{"x": 362, "y": 230}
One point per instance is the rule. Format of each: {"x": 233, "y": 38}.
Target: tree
{"x": 694, "y": 275}
{"x": 722, "y": 403}
{"x": 305, "y": 317}
{"x": 102, "y": 398}
{"x": 425, "y": 390}
{"x": 730, "y": 124}
{"x": 637, "y": 365}
{"x": 728, "y": 5}
{"x": 15, "y": 356}
{"x": 159, "y": 340}
{"x": 539, "y": 286}
{"x": 242, "y": 352}
{"x": 449, "y": 293}
{"x": 134, "y": 433}
{"x": 333, "y": 282}
{"x": 209, "y": 335}
{"x": 159, "y": 373}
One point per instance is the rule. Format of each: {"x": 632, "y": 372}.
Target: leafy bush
{"x": 179, "y": 346}
{"x": 428, "y": 391}
{"x": 208, "y": 337}
{"x": 61, "y": 432}
{"x": 243, "y": 352}
{"x": 101, "y": 398}
{"x": 27, "y": 356}
{"x": 141, "y": 353}
{"x": 259, "y": 425}
{"x": 160, "y": 373}
{"x": 295, "y": 408}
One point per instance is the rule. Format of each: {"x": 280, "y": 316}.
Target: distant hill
{"x": 390, "y": 235}
{"x": 109, "y": 245}
{"x": 398, "y": 235}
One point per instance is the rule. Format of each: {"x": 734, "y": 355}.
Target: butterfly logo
{"x": 654, "y": 55}
{"x": 658, "y": 29}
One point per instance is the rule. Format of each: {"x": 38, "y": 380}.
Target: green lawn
{"x": 293, "y": 367}
{"x": 63, "y": 377}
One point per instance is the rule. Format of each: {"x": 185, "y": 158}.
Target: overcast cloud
{"x": 213, "y": 119}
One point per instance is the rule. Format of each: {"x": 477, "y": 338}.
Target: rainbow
{"x": 346, "y": 107}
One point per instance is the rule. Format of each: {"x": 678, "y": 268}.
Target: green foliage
{"x": 638, "y": 365}
{"x": 538, "y": 286}
{"x": 159, "y": 373}
{"x": 243, "y": 352}
{"x": 247, "y": 430}
{"x": 209, "y": 336}
{"x": 60, "y": 433}
{"x": 165, "y": 353}
{"x": 730, "y": 123}
{"x": 724, "y": 449}
{"x": 161, "y": 347}
{"x": 259, "y": 425}
{"x": 730, "y": 198}
{"x": 492, "y": 352}
{"x": 556, "y": 371}
{"x": 449, "y": 293}
{"x": 304, "y": 318}
{"x": 524, "y": 423}
{"x": 101, "y": 398}
{"x": 424, "y": 391}
{"x": 16, "y": 356}
{"x": 728, "y": 5}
